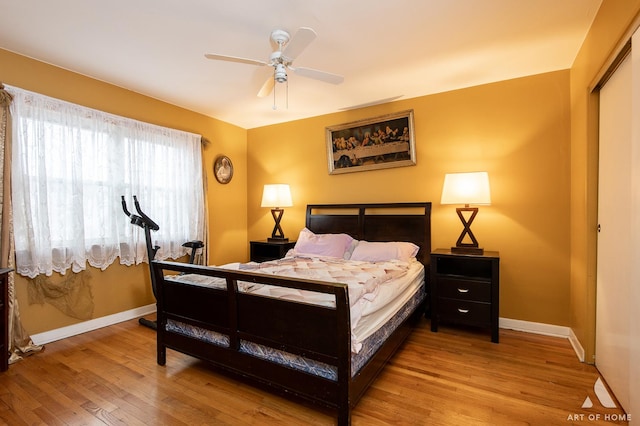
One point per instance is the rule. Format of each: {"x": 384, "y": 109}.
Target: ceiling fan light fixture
{"x": 280, "y": 73}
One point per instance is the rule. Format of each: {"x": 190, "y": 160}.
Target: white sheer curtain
{"x": 71, "y": 165}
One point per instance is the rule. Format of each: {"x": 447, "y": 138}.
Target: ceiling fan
{"x": 281, "y": 59}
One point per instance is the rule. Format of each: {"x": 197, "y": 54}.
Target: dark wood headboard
{"x": 376, "y": 222}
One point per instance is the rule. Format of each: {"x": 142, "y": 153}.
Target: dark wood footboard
{"x": 314, "y": 332}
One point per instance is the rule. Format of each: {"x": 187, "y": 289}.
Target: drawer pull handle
{"x": 463, "y": 311}
{"x": 463, "y": 290}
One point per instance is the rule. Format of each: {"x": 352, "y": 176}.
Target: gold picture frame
{"x": 371, "y": 144}
{"x": 223, "y": 169}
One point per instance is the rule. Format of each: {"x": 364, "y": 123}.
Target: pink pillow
{"x": 334, "y": 245}
{"x": 379, "y": 251}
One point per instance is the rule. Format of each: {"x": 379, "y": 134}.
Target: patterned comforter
{"x": 363, "y": 278}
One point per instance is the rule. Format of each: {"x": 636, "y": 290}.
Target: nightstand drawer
{"x": 461, "y": 311}
{"x": 472, "y": 290}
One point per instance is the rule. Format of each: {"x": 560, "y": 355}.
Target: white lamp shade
{"x": 466, "y": 188}
{"x": 276, "y": 195}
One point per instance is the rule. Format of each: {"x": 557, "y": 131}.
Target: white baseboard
{"x": 545, "y": 329}
{"x": 94, "y": 324}
{"x": 535, "y": 327}
{"x": 573, "y": 339}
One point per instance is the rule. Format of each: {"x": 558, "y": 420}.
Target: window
{"x": 70, "y": 167}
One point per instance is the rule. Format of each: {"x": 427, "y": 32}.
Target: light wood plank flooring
{"x": 453, "y": 377}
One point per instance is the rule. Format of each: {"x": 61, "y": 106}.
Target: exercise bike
{"x": 145, "y": 222}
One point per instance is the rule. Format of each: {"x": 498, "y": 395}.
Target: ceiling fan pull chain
{"x": 274, "y": 98}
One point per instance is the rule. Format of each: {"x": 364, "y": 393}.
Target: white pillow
{"x": 379, "y": 251}
{"x": 333, "y": 245}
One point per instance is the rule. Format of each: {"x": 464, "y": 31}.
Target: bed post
{"x": 344, "y": 357}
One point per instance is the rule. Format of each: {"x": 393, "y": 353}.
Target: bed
{"x": 307, "y": 350}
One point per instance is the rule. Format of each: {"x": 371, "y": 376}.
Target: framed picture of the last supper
{"x": 375, "y": 143}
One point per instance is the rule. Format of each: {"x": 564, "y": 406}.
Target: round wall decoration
{"x": 223, "y": 169}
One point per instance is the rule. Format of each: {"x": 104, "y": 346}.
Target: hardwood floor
{"x": 453, "y": 377}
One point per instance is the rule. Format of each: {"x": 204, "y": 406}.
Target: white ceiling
{"x": 383, "y": 48}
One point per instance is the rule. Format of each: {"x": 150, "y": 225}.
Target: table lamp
{"x": 467, "y": 189}
{"x": 276, "y": 196}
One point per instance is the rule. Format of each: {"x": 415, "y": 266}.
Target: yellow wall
{"x": 120, "y": 288}
{"x": 517, "y": 130}
{"x": 610, "y": 29}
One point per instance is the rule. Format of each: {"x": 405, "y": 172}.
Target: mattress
{"x": 390, "y": 298}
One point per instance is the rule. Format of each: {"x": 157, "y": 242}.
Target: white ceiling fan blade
{"x": 318, "y": 75}
{"x": 300, "y": 40}
{"x": 267, "y": 87}
{"x": 235, "y": 59}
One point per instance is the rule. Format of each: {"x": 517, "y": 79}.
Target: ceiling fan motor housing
{"x": 280, "y": 37}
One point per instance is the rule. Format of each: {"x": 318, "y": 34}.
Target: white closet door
{"x": 615, "y": 241}
{"x": 634, "y": 299}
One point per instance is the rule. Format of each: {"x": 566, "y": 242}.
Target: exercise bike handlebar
{"x": 124, "y": 207}
{"x": 135, "y": 219}
{"x": 143, "y": 220}
{"x": 152, "y": 225}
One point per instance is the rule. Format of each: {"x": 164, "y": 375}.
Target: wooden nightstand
{"x": 262, "y": 251}
{"x": 465, "y": 289}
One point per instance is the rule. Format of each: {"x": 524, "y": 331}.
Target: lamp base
{"x": 277, "y": 240}
{"x": 277, "y": 236}
{"x": 472, "y": 247}
{"x": 467, "y": 250}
